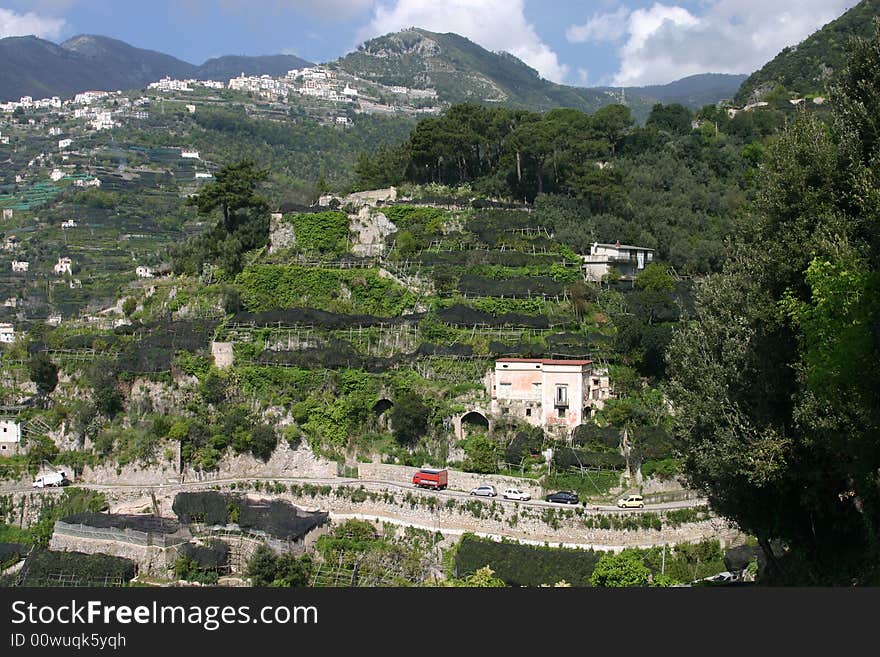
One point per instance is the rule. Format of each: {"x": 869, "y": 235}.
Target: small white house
{"x": 70, "y": 223}
{"x": 54, "y": 320}
{"x": 11, "y": 302}
{"x": 7, "y": 214}
{"x": 63, "y": 266}
{"x": 87, "y": 182}
{"x": 628, "y": 261}
{"x": 10, "y": 436}
{"x": 144, "y": 272}
{"x": 56, "y": 175}
{"x": 193, "y": 155}
{"x": 20, "y": 265}
{"x": 64, "y": 143}
{"x": 203, "y": 174}
{"x": 191, "y": 109}
{"x": 7, "y": 333}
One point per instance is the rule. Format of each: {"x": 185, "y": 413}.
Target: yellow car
{"x": 631, "y": 502}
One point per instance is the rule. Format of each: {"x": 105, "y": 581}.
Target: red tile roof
{"x": 545, "y": 361}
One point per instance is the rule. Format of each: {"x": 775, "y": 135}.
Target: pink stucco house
{"x": 557, "y": 395}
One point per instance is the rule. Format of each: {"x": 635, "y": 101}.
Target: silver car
{"x": 485, "y": 491}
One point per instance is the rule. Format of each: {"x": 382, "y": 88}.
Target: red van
{"x": 431, "y": 478}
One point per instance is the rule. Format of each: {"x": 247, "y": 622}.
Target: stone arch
{"x": 472, "y": 418}
{"x": 381, "y": 414}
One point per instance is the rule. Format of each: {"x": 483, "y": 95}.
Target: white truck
{"x": 51, "y": 479}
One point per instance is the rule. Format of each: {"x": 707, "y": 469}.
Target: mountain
{"x": 229, "y": 66}
{"x": 694, "y": 91}
{"x": 124, "y": 66}
{"x": 462, "y": 71}
{"x": 813, "y": 64}
{"x": 34, "y": 67}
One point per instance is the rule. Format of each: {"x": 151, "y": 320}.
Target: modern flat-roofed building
{"x": 629, "y": 261}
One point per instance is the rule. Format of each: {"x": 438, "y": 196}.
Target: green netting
{"x": 142, "y": 523}
{"x": 158, "y": 342}
{"x": 47, "y": 568}
{"x": 313, "y": 317}
{"x": 213, "y": 554}
{"x": 276, "y": 518}
{"x": 462, "y": 315}
{"x": 515, "y": 286}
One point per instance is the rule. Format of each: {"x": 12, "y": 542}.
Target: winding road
{"x": 370, "y": 484}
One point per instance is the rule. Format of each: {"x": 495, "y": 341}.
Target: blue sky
{"x": 582, "y": 42}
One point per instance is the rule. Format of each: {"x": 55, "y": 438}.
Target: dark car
{"x": 563, "y": 497}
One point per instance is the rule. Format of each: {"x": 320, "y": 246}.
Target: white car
{"x": 485, "y": 491}
{"x": 721, "y": 578}
{"x": 631, "y": 502}
{"x": 516, "y": 494}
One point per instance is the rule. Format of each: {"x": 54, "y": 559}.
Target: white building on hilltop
{"x": 63, "y": 266}
{"x": 167, "y": 84}
{"x": 20, "y": 265}
{"x": 89, "y": 97}
{"x": 7, "y": 333}
{"x": 103, "y": 120}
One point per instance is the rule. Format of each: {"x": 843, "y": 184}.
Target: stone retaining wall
{"x": 150, "y": 559}
{"x": 509, "y": 519}
{"x": 285, "y": 462}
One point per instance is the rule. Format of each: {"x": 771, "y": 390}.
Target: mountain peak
{"x": 412, "y": 41}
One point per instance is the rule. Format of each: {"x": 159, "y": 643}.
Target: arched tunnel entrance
{"x": 382, "y": 414}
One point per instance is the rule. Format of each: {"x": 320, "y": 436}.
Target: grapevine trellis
{"x": 367, "y": 569}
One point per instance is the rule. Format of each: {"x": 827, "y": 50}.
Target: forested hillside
{"x": 776, "y": 380}
{"x": 812, "y": 66}
{"x": 669, "y": 185}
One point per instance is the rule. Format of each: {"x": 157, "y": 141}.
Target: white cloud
{"x": 583, "y": 76}
{"x": 14, "y": 24}
{"x": 610, "y": 27}
{"x": 663, "y": 43}
{"x": 493, "y": 24}
{"x": 329, "y": 11}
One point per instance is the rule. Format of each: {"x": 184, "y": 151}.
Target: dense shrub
{"x": 270, "y": 287}
{"x": 47, "y": 568}
{"x": 525, "y": 565}
{"x": 265, "y": 568}
{"x": 320, "y": 232}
